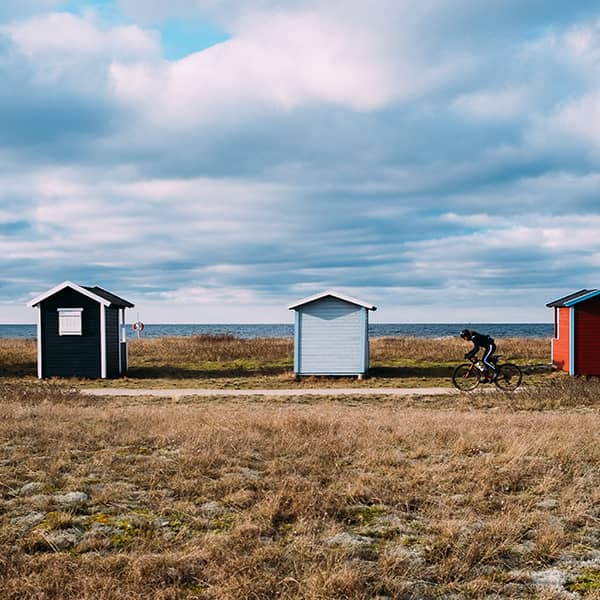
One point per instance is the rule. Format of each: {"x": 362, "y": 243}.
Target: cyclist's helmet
{"x": 465, "y": 334}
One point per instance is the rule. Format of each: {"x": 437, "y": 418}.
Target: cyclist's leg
{"x": 486, "y": 358}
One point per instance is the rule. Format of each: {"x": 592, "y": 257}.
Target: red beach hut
{"x": 576, "y": 339}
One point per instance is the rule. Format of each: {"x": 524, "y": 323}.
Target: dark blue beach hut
{"x": 81, "y": 332}
{"x": 331, "y": 335}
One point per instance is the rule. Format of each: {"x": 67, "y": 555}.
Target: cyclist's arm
{"x": 472, "y": 353}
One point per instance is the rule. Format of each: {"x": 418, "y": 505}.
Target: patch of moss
{"x": 101, "y": 518}
{"x": 224, "y": 523}
{"x": 363, "y": 515}
{"x": 128, "y": 531}
{"x": 585, "y": 583}
{"x": 197, "y": 590}
{"x": 55, "y": 520}
{"x": 285, "y": 527}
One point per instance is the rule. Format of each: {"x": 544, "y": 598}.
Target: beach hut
{"x": 331, "y": 335}
{"x": 81, "y": 332}
{"x": 576, "y": 339}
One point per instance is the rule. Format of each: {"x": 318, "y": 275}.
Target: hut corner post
{"x": 40, "y": 371}
{"x": 364, "y": 333}
{"x": 123, "y": 351}
{"x": 297, "y": 344}
{"x": 572, "y": 340}
{"x": 102, "y": 341}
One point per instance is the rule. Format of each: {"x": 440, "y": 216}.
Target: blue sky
{"x": 215, "y": 160}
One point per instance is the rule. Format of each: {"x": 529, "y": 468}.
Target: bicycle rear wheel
{"x": 466, "y": 377}
{"x": 509, "y": 377}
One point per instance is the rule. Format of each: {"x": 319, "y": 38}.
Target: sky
{"x": 213, "y": 161}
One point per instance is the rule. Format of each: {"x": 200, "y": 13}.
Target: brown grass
{"x": 227, "y": 348}
{"x": 211, "y": 348}
{"x": 227, "y": 361}
{"x": 17, "y": 357}
{"x": 242, "y": 499}
{"x": 385, "y": 350}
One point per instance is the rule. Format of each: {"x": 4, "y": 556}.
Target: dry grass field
{"x": 225, "y": 361}
{"x": 484, "y": 496}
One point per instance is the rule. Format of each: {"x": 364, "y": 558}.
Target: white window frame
{"x": 69, "y": 312}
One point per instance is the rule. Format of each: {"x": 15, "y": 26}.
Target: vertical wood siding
{"x": 330, "y": 338}
{"x": 561, "y": 345}
{"x": 70, "y": 355}
{"x": 112, "y": 342}
{"x": 124, "y": 357}
{"x": 587, "y": 337}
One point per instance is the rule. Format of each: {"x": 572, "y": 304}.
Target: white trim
{"x": 103, "y": 341}
{"x": 73, "y": 286}
{"x": 122, "y": 326}
{"x": 334, "y": 294}
{"x": 39, "y": 343}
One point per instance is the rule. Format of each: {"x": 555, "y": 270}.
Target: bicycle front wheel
{"x": 509, "y": 377}
{"x": 466, "y": 377}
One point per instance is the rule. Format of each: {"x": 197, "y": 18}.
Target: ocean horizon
{"x": 248, "y": 331}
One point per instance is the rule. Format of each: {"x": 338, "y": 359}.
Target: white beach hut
{"x": 331, "y": 335}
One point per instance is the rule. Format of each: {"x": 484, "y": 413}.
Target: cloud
{"x": 497, "y": 105}
{"x": 276, "y": 61}
{"x": 426, "y": 156}
{"x": 63, "y": 39}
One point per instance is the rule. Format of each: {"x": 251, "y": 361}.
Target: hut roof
{"x": 95, "y": 293}
{"x": 112, "y": 298}
{"x": 573, "y": 298}
{"x": 332, "y": 294}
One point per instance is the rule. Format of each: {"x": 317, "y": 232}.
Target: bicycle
{"x": 468, "y": 376}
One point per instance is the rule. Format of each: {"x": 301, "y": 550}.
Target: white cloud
{"x": 65, "y": 39}
{"x": 495, "y": 105}
{"x": 580, "y": 119}
{"x": 281, "y": 61}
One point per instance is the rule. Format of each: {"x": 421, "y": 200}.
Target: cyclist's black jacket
{"x": 480, "y": 340}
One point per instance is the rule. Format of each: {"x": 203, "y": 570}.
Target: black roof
{"x": 562, "y": 301}
{"x": 114, "y": 300}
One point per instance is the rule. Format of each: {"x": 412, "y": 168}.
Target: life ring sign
{"x": 137, "y": 326}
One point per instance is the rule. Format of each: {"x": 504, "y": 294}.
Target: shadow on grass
{"x": 168, "y": 372}
{"x": 185, "y": 373}
{"x": 28, "y": 369}
{"x": 25, "y": 369}
{"x": 412, "y": 372}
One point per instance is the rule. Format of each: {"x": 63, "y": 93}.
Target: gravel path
{"x": 177, "y": 393}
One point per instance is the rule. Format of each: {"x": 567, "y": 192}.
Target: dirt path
{"x": 177, "y": 393}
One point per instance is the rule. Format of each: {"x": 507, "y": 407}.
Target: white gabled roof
{"x": 73, "y": 286}
{"x": 333, "y": 294}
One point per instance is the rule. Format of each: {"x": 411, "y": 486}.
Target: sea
{"x": 424, "y": 330}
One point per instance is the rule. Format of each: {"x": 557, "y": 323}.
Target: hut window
{"x": 69, "y": 321}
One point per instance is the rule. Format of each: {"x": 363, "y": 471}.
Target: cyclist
{"x": 481, "y": 340}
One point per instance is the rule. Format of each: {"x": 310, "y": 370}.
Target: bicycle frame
{"x": 477, "y": 363}
{"x": 502, "y": 375}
